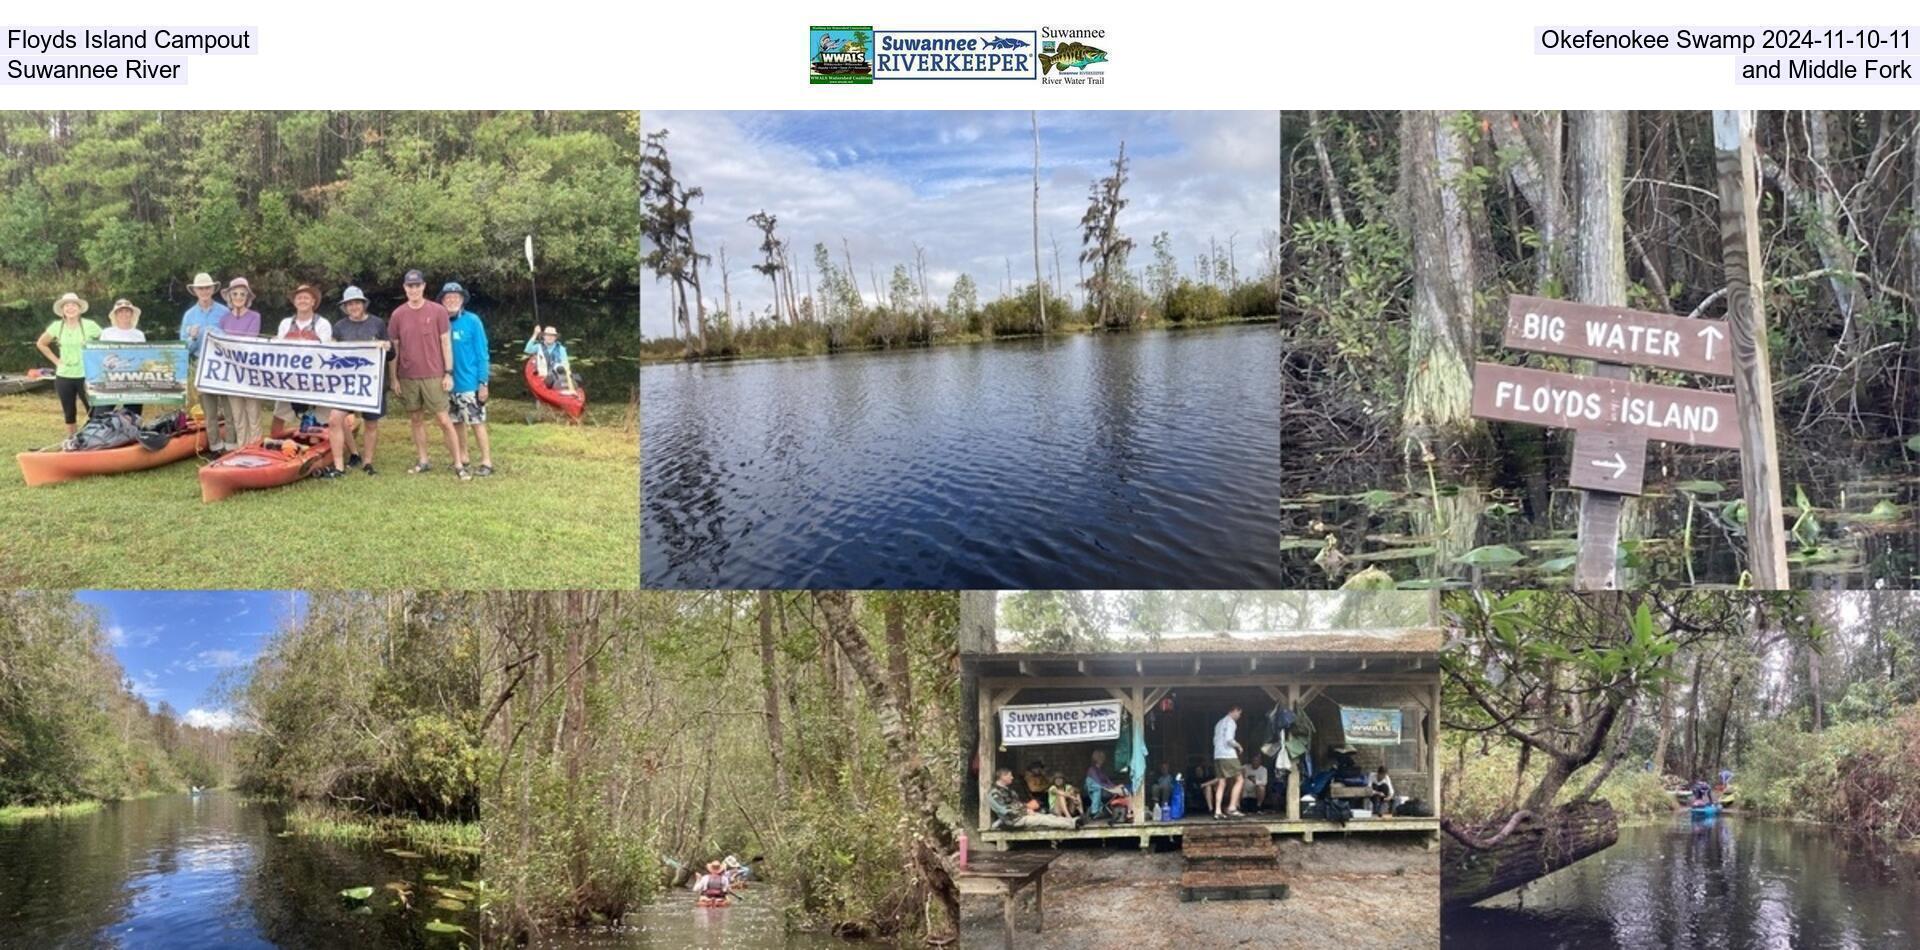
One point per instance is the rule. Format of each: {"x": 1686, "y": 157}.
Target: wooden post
{"x": 1293, "y": 774}
{"x": 1600, "y": 277}
{"x": 1433, "y": 749}
{"x": 975, "y": 636}
{"x": 1735, "y": 159}
{"x": 984, "y": 723}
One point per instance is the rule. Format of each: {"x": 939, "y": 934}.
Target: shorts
{"x": 1229, "y": 769}
{"x": 420, "y": 395}
{"x": 467, "y": 409}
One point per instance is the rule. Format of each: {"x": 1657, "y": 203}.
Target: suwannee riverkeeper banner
{"x": 336, "y": 375}
{"x": 1059, "y": 722}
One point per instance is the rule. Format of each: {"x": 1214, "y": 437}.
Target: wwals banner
{"x": 1370, "y": 726}
{"x": 336, "y": 375}
{"x": 1059, "y": 722}
{"x": 137, "y": 374}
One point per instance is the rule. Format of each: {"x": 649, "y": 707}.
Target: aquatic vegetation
{"x": 357, "y": 893}
{"x": 17, "y": 813}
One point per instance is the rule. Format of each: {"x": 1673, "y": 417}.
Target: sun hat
{"x": 550, "y": 331}
{"x": 307, "y": 289}
{"x": 125, "y": 304}
{"x": 413, "y": 277}
{"x": 714, "y": 867}
{"x": 203, "y": 279}
{"x": 352, "y": 293}
{"x": 239, "y": 283}
{"x": 69, "y": 295}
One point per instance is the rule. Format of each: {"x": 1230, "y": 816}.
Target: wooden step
{"x": 1233, "y": 885}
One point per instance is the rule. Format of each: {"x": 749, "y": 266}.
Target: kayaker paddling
{"x": 713, "y": 888}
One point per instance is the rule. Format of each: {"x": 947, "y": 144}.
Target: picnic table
{"x": 1003, "y": 874}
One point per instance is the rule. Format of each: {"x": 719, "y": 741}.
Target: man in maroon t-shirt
{"x": 423, "y": 370}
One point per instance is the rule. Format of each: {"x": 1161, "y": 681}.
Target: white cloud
{"x": 147, "y": 687}
{"x": 209, "y": 718}
{"x": 215, "y": 660}
{"x": 116, "y": 636}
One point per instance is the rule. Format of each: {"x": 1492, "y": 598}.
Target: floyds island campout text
{"x": 70, "y": 55}
{"x": 1059, "y": 722}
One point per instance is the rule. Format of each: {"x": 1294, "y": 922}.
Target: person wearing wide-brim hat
{"x": 201, "y": 317}
{"x": 125, "y": 320}
{"x": 358, "y": 326}
{"x": 242, "y": 412}
{"x": 62, "y": 343}
{"x": 307, "y": 325}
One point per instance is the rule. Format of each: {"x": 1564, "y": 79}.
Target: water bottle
{"x": 1177, "y": 809}
{"x": 962, "y": 839}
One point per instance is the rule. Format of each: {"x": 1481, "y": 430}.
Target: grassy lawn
{"x": 561, "y": 511}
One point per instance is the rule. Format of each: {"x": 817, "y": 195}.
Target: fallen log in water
{"x": 1479, "y": 861}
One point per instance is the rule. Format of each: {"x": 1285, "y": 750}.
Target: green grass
{"x": 308, "y": 820}
{"x": 562, "y": 511}
{"x": 11, "y": 814}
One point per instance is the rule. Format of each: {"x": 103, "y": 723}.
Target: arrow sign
{"x": 1618, "y": 465}
{"x": 1606, "y": 462}
{"x": 1616, "y": 335}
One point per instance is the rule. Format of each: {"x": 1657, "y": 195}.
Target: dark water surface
{"x": 1727, "y": 884}
{"x": 602, "y": 338}
{"x": 1113, "y": 460}
{"x": 218, "y": 871}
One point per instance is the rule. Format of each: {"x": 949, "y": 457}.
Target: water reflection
{"x": 1726, "y": 884}
{"x": 1128, "y": 460}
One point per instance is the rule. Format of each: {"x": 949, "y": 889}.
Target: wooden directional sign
{"x": 1603, "y": 461}
{"x": 1616, "y": 335}
{"x": 1619, "y": 407}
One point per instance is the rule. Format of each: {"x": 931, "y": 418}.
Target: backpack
{"x": 106, "y": 429}
{"x": 1333, "y": 810}
{"x": 1413, "y": 808}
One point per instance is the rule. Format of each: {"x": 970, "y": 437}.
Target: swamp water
{"x": 1729, "y": 883}
{"x": 1097, "y": 460}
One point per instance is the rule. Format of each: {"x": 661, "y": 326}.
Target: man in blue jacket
{"x": 202, "y": 316}
{"x": 467, "y": 404}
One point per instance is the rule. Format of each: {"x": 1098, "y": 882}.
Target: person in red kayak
{"x": 423, "y": 370}
{"x": 713, "y": 886}
{"x": 545, "y": 345}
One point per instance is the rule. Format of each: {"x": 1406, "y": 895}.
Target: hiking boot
{"x": 353, "y": 461}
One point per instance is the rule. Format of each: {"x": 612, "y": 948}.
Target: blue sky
{"x": 174, "y": 645}
{"x": 960, "y": 185}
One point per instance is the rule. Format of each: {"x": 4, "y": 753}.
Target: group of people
{"x": 436, "y": 353}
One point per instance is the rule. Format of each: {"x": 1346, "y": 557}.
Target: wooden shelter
{"x": 1176, "y": 689}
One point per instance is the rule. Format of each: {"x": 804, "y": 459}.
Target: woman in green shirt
{"x": 61, "y": 344}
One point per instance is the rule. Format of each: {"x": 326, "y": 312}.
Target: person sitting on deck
{"x": 1011, "y": 811}
{"x": 1104, "y": 795}
{"x": 1036, "y": 780}
{"x": 1382, "y": 792}
{"x": 1162, "y": 792}
{"x": 1255, "y": 775}
{"x": 1063, "y": 799}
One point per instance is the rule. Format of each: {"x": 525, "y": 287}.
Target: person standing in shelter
{"x": 1226, "y": 761}
{"x": 62, "y": 343}
{"x": 423, "y": 370}
{"x": 242, "y": 412}
{"x": 306, "y": 324}
{"x": 468, "y": 402}
{"x": 359, "y": 327}
{"x": 201, "y": 316}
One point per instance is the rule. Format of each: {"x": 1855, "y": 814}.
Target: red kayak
{"x": 53, "y": 466}
{"x": 573, "y": 403}
{"x": 268, "y": 463}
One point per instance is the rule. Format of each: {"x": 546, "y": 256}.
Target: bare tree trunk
{"x": 1600, "y": 277}
{"x": 726, "y": 289}
{"x": 1439, "y": 392}
{"x": 769, "y": 685}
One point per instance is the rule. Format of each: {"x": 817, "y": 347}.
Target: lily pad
{"x": 1700, "y": 486}
{"x": 357, "y": 893}
{"x": 434, "y": 876}
{"x": 439, "y": 926}
{"x": 1556, "y": 565}
{"x": 1371, "y": 578}
{"x": 1378, "y": 498}
{"x": 1914, "y": 443}
{"x": 455, "y": 893}
{"x": 1884, "y": 512}
{"x": 448, "y": 903}
{"x": 1491, "y": 555}
{"x": 403, "y": 853}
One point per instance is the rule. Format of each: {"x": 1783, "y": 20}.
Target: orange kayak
{"x": 52, "y": 467}
{"x": 268, "y": 463}
{"x": 573, "y": 403}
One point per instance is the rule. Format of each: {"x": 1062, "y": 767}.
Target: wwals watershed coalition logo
{"x": 862, "y": 54}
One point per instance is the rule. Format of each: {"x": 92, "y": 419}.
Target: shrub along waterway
{"x": 1146, "y": 459}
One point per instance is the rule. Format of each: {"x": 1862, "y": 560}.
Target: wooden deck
{"x": 1145, "y": 833}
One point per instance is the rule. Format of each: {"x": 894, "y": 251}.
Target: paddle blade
{"x": 529, "y": 252}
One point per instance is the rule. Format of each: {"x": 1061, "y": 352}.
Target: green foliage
{"x": 1481, "y": 790}
{"x": 1019, "y": 315}
{"x": 132, "y": 203}
{"x": 1860, "y": 774}
{"x": 1198, "y": 303}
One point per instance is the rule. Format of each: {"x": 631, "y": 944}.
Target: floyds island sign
{"x": 1059, "y": 722}
{"x": 336, "y": 375}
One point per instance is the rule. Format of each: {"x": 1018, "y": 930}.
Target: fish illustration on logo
{"x": 345, "y": 362}
{"x": 1071, "y": 55}
{"x": 1006, "y": 42}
